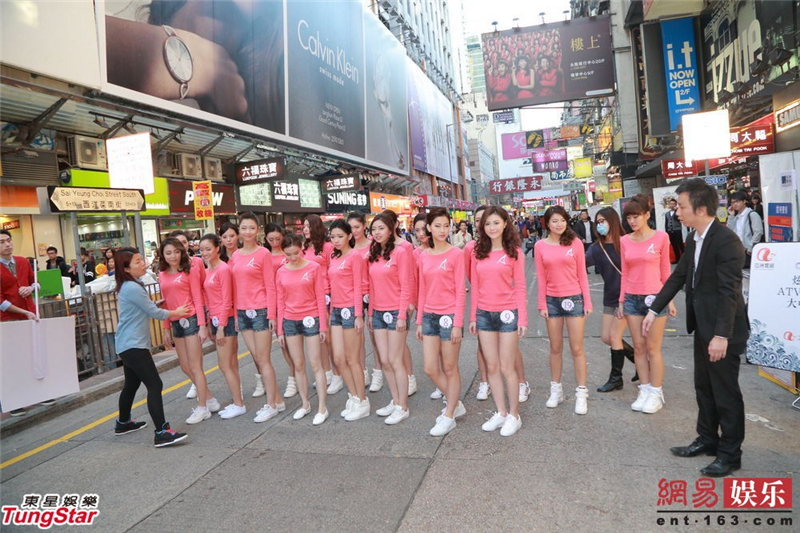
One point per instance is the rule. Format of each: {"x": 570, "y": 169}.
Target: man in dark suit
{"x": 584, "y": 227}
{"x": 710, "y": 271}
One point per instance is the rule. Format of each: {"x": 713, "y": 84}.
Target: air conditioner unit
{"x": 87, "y": 152}
{"x": 189, "y": 165}
{"x": 166, "y": 165}
{"x": 212, "y": 168}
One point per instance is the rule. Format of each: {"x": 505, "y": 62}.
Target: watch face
{"x": 178, "y": 58}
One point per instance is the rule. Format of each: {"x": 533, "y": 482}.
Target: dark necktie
{"x": 12, "y": 267}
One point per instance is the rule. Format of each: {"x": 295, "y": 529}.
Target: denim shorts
{"x": 185, "y": 327}
{"x": 639, "y": 305}
{"x": 258, "y": 322}
{"x": 229, "y": 331}
{"x": 498, "y": 321}
{"x": 565, "y": 307}
{"x": 344, "y": 317}
{"x": 307, "y": 327}
{"x": 434, "y": 325}
{"x": 385, "y": 320}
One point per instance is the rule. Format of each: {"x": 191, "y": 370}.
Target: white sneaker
{"x": 412, "y": 385}
{"x": 348, "y": 405}
{"x": 300, "y": 413}
{"x": 443, "y": 426}
{"x": 213, "y": 405}
{"x": 556, "y": 395}
{"x": 437, "y": 394}
{"x": 512, "y": 425}
{"x": 366, "y": 378}
{"x": 223, "y": 410}
{"x": 192, "y": 393}
{"x": 265, "y": 413}
{"x": 581, "y": 400}
{"x": 654, "y": 401}
{"x": 328, "y": 377}
{"x": 459, "y": 412}
{"x": 386, "y": 411}
{"x": 319, "y": 418}
{"x": 483, "y": 391}
{"x": 524, "y": 392}
{"x": 494, "y": 423}
{"x": 644, "y": 392}
{"x": 280, "y": 407}
{"x": 232, "y": 411}
{"x": 198, "y": 415}
{"x": 360, "y": 409}
{"x": 259, "y": 391}
{"x": 397, "y": 416}
{"x": 336, "y": 384}
{"x": 291, "y": 388}
{"x": 377, "y": 380}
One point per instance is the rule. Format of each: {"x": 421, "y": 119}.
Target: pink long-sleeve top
{"x": 561, "y": 271}
{"x": 181, "y": 289}
{"x": 388, "y": 282}
{"x": 415, "y": 274}
{"x": 469, "y": 257}
{"x": 364, "y": 271}
{"x": 219, "y": 293}
{"x": 344, "y": 275}
{"x": 412, "y": 279}
{"x": 301, "y": 293}
{"x": 278, "y": 260}
{"x": 323, "y": 260}
{"x": 200, "y": 266}
{"x": 442, "y": 285}
{"x": 254, "y": 280}
{"x": 498, "y": 284}
{"x": 645, "y": 264}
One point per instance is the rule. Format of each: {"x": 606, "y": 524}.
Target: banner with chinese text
{"x": 203, "y": 203}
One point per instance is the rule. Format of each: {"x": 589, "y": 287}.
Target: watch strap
{"x": 183, "y": 90}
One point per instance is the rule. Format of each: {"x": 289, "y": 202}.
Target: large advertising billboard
{"x": 548, "y": 63}
{"x": 323, "y": 76}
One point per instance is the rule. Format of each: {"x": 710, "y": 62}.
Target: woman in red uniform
{"x": 275, "y": 234}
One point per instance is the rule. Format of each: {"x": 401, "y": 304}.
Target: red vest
{"x": 9, "y": 288}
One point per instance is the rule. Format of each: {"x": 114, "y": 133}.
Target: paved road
{"x": 561, "y": 472}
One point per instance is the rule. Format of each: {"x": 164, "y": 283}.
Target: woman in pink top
{"x": 440, "y": 316}
{"x": 645, "y": 269}
{"x": 421, "y": 232}
{"x": 302, "y": 317}
{"x": 563, "y": 296}
{"x": 347, "y": 323}
{"x": 218, "y": 291}
{"x": 499, "y": 311}
{"x": 389, "y": 272}
{"x": 358, "y": 223}
{"x": 180, "y": 285}
{"x": 317, "y": 249}
{"x": 254, "y": 283}
{"x": 274, "y": 233}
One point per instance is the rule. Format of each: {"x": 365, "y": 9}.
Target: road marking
{"x": 103, "y": 420}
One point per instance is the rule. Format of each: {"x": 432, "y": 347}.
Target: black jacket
{"x": 580, "y": 229}
{"x": 714, "y": 306}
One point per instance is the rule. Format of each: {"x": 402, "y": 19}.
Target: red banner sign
{"x": 515, "y": 185}
{"x": 678, "y": 168}
{"x": 753, "y": 139}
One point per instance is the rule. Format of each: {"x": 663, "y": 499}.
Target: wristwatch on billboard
{"x": 178, "y": 60}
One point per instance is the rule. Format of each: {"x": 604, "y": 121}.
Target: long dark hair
{"x": 272, "y": 227}
{"x": 345, "y": 227}
{"x": 510, "y": 237}
{"x": 376, "y": 250}
{"x": 395, "y": 222}
{"x": 614, "y": 227}
{"x": 316, "y": 234}
{"x": 184, "y": 265}
{"x": 122, "y": 260}
{"x": 569, "y": 235}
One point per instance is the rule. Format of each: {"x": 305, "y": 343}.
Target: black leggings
{"x": 140, "y": 368}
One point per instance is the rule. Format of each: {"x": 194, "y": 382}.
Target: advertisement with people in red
{"x": 548, "y": 63}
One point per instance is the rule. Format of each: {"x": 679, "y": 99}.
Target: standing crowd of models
{"x": 322, "y": 291}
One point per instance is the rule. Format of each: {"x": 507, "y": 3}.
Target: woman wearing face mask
{"x": 301, "y": 317}
{"x": 218, "y": 291}
{"x": 132, "y": 341}
{"x": 604, "y": 255}
{"x": 389, "y": 272}
{"x": 645, "y": 269}
{"x": 358, "y": 223}
{"x": 563, "y": 297}
{"x": 347, "y": 322}
{"x": 275, "y": 234}
{"x": 180, "y": 285}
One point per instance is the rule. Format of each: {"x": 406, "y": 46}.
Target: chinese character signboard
{"x": 753, "y": 139}
{"x": 583, "y": 167}
{"x": 678, "y": 168}
{"x": 380, "y": 202}
{"x": 767, "y": 494}
{"x": 348, "y": 182}
{"x": 89, "y": 200}
{"x": 515, "y": 185}
{"x": 680, "y": 64}
{"x": 286, "y": 190}
{"x": 260, "y": 171}
{"x": 346, "y": 201}
{"x": 774, "y": 306}
{"x": 203, "y": 200}
{"x": 551, "y": 63}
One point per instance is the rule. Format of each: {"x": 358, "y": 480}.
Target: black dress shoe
{"x": 721, "y": 468}
{"x": 694, "y": 449}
